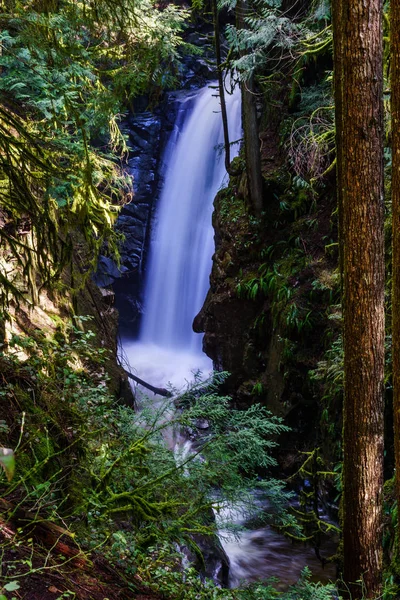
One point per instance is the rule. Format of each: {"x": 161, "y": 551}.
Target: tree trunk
{"x": 156, "y": 390}
{"x": 395, "y": 111}
{"x": 221, "y": 89}
{"x": 250, "y": 129}
{"x": 361, "y": 132}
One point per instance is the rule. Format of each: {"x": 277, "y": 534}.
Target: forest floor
{"x": 52, "y": 574}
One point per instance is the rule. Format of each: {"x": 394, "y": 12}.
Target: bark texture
{"x": 363, "y": 257}
{"x": 395, "y": 112}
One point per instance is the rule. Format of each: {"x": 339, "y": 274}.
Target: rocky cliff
{"x": 270, "y": 315}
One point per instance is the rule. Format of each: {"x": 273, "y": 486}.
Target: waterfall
{"x": 177, "y": 282}
{"x": 182, "y": 246}
{"x": 180, "y": 255}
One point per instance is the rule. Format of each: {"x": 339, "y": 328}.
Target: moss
{"x": 230, "y": 206}
{"x": 104, "y": 324}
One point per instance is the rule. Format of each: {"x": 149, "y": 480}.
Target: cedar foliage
{"x": 66, "y": 71}
{"x": 106, "y": 473}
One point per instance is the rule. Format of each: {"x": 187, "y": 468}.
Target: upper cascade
{"x": 182, "y": 246}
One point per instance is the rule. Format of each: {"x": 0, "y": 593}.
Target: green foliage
{"x": 239, "y": 442}
{"x": 311, "y": 141}
{"x": 38, "y": 400}
{"x": 330, "y": 371}
{"x": 265, "y": 28}
{"x": 188, "y": 586}
{"x": 327, "y": 380}
{"x": 7, "y": 462}
{"x": 305, "y": 589}
{"x": 11, "y": 586}
{"x": 270, "y": 40}
{"x": 81, "y": 455}
{"x": 279, "y": 49}
{"x": 326, "y": 285}
{"x": 258, "y": 389}
{"x": 232, "y": 208}
{"x": 67, "y": 70}
{"x": 274, "y": 282}
{"x": 314, "y": 475}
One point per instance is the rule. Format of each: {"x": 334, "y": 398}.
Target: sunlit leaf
{"x": 7, "y": 461}
{"x": 12, "y": 586}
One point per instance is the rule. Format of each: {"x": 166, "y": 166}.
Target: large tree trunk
{"x": 395, "y": 110}
{"x": 363, "y": 257}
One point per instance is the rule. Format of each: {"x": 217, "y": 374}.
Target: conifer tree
{"x": 360, "y": 123}
{"x": 395, "y": 114}
{"x": 67, "y": 70}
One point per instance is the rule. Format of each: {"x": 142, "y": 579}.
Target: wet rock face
{"x": 146, "y": 132}
{"x": 226, "y": 318}
{"x": 198, "y": 70}
{"x": 215, "y": 562}
{"x": 225, "y": 321}
{"x": 239, "y": 334}
{"x": 145, "y": 139}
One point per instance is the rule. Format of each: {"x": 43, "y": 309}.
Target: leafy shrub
{"x": 84, "y": 460}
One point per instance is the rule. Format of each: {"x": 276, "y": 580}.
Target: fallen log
{"x": 155, "y": 390}
{"x": 50, "y": 535}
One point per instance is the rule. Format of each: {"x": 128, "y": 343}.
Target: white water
{"x": 182, "y": 246}
{"x": 168, "y": 351}
{"x": 262, "y": 553}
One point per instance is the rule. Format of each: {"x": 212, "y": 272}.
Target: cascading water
{"x": 182, "y": 245}
{"x": 180, "y": 261}
{"x": 181, "y": 251}
{"x": 260, "y": 552}
{"x": 177, "y": 281}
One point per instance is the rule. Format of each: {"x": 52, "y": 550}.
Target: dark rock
{"x": 228, "y": 320}
{"x": 107, "y": 272}
{"x": 214, "y": 562}
{"x": 139, "y": 211}
{"x": 146, "y": 126}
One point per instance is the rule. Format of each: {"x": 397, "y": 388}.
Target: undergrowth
{"x": 107, "y": 475}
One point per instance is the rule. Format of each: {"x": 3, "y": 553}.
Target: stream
{"x": 167, "y": 350}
